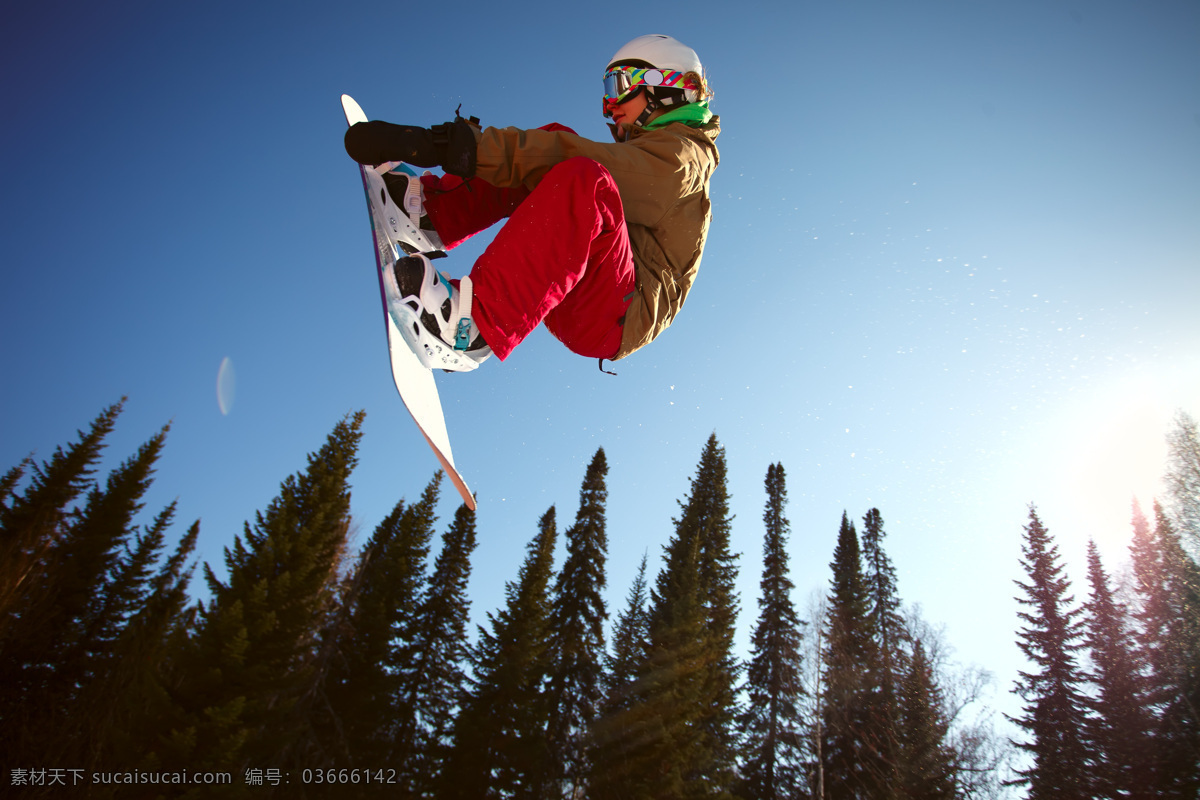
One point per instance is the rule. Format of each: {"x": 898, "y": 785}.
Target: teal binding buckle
{"x": 462, "y": 334}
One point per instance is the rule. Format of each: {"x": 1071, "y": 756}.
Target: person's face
{"x": 625, "y": 113}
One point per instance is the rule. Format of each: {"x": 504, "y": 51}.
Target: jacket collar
{"x": 693, "y": 115}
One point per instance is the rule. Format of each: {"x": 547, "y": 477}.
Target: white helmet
{"x": 662, "y": 55}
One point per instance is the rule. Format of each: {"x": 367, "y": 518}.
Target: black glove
{"x": 450, "y": 146}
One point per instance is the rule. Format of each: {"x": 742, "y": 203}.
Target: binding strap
{"x": 462, "y": 333}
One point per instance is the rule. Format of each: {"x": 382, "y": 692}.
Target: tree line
{"x": 315, "y": 671}
{"x": 1111, "y": 698}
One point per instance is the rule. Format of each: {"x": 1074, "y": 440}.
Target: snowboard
{"x": 396, "y": 235}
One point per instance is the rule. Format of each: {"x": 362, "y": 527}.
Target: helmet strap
{"x": 657, "y": 99}
{"x": 652, "y": 105}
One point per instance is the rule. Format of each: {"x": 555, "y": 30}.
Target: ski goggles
{"x": 621, "y": 83}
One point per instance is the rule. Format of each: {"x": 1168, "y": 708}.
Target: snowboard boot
{"x": 408, "y": 194}
{"x": 434, "y": 315}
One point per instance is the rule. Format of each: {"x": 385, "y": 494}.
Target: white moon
{"x": 226, "y": 385}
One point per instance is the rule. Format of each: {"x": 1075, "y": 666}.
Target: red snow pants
{"x": 562, "y": 258}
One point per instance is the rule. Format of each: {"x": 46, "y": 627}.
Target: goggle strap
{"x": 666, "y": 79}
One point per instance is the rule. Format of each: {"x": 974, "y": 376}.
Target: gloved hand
{"x": 450, "y": 146}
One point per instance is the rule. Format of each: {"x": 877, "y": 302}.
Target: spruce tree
{"x": 670, "y": 727}
{"x": 925, "y": 764}
{"x": 1184, "y": 713}
{"x": 611, "y": 743}
{"x": 251, "y": 670}
{"x": 577, "y": 630}
{"x": 1119, "y": 726}
{"x": 630, "y": 636}
{"x": 440, "y": 651}
{"x": 1182, "y": 554}
{"x": 1054, "y": 713}
{"x": 363, "y": 716}
{"x": 847, "y": 760}
{"x": 87, "y": 584}
{"x": 80, "y": 592}
{"x": 1165, "y": 578}
{"x": 706, "y": 519}
{"x": 30, "y": 523}
{"x": 499, "y": 734}
{"x": 672, "y": 733}
{"x": 139, "y": 686}
{"x": 402, "y": 585}
{"x": 125, "y": 701}
{"x": 887, "y": 666}
{"x": 1152, "y": 633}
{"x": 701, "y": 543}
{"x": 771, "y": 723}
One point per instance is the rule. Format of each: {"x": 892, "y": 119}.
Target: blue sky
{"x": 953, "y": 270}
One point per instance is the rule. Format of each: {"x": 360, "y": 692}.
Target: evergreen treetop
{"x": 1054, "y": 714}
{"x": 254, "y": 666}
{"x": 850, "y": 750}
{"x": 773, "y": 765}
{"x": 1118, "y": 728}
{"x": 577, "y": 621}
{"x": 440, "y": 650}
{"x": 925, "y": 764}
{"x": 500, "y": 733}
{"x": 86, "y": 604}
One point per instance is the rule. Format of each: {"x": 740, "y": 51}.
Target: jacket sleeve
{"x": 650, "y": 176}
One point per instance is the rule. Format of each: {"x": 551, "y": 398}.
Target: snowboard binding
{"x": 433, "y": 315}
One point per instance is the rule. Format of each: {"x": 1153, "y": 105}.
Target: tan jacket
{"x": 662, "y": 175}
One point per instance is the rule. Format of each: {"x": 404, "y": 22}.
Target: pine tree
{"x": 499, "y": 734}
{"x": 611, "y": 743}
{"x": 771, "y": 722}
{"x": 1181, "y": 555}
{"x": 440, "y": 651}
{"x": 1118, "y": 730}
{"x": 404, "y": 584}
{"x": 671, "y": 732}
{"x": 705, "y": 518}
{"x": 250, "y": 672}
{"x": 1182, "y": 715}
{"x": 886, "y": 669}
{"x": 30, "y": 524}
{"x": 1054, "y": 713}
{"x": 701, "y": 543}
{"x": 1152, "y": 632}
{"x": 85, "y": 585}
{"x": 124, "y": 702}
{"x": 363, "y": 716}
{"x": 630, "y": 635}
{"x": 671, "y": 691}
{"x": 847, "y": 762}
{"x": 1164, "y": 577}
{"x": 925, "y": 764}
{"x": 80, "y": 594}
{"x": 577, "y": 630}
{"x": 976, "y": 756}
{"x": 134, "y": 703}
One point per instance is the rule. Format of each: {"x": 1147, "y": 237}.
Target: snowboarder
{"x": 603, "y": 240}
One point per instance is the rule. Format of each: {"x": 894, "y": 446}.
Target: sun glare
{"x": 1118, "y": 453}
